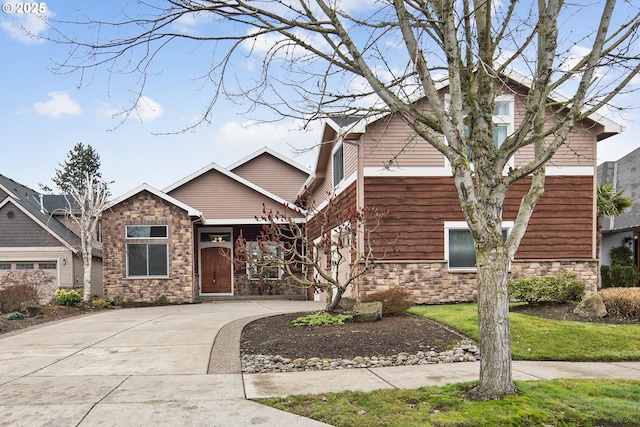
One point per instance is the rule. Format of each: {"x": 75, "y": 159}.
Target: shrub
{"x": 563, "y": 287}
{"x": 70, "y": 297}
{"x": 618, "y": 276}
{"x": 100, "y": 303}
{"x": 20, "y": 286}
{"x": 394, "y": 300}
{"x": 16, "y": 315}
{"x": 321, "y": 319}
{"x": 622, "y": 255}
{"x": 162, "y": 300}
{"x": 622, "y": 302}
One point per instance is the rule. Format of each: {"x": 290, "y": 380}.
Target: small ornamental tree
{"x": 330, "y": 251}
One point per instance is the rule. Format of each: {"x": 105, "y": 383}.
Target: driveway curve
{"x": 137, "y": 367}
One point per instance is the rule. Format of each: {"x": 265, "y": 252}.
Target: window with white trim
{"x": 263, "y": 265}
{"x": 503, "y": 121}
{"x": 147, "y": 250}
{"x": 337, "y": 164}
{"x": 459, "y": 250}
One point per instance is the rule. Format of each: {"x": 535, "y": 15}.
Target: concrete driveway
{"x": 136, "y": 367}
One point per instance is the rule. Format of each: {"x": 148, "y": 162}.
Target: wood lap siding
{"x": 560, "y": 228}
{"x": 220, "y": 197}
{"x": 345, "y": 200}
{"x": 273, "y": 175}
{"x": 391, "y": 137}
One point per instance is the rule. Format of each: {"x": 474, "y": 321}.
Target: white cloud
{"x": 59, "y": 104}
{"x": 191, "y": 22}
{"x": 287, "y": 138}
{"x": 25, "y": 27}
{"x": 148, "y": 110}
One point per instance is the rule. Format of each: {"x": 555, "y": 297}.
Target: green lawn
{"x": 568, "y": 403}
{"x": 534, "y": 338}
{"x": 562, "y": 402}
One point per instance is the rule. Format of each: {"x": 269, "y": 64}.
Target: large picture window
{"x": 263, "y": 265}
{"x": 147, "y": 250}
{"x": 147, "y": 260}
{"x": 459, "y": 249}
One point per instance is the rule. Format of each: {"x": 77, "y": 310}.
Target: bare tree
{"x": 330, "y": 261}
{"x": 324, "y": 59}
{"x": 85, "y": 205}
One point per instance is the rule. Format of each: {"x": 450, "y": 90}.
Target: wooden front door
{"x": 215, "y": 274}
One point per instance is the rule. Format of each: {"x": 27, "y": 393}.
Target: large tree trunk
{"x": 493, "y": 313}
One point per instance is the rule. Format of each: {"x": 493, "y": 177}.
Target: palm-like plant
{"x": 609, "y": 203}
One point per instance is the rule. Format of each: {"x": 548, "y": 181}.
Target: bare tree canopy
{"x": 340, "y": 58}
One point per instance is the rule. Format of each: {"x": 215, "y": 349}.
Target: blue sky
{"x": 44, "y": 114}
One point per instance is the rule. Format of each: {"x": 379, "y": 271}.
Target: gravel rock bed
{"x": 466, "y": 351}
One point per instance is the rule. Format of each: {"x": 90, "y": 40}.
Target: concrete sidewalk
{"x": 180, "y": 365}
{"x": 408, "y": 377}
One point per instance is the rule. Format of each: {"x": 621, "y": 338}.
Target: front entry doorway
{"x": 216, "y": 271}
{"x": 216, "y": 277}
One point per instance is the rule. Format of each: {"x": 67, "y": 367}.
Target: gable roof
{"x": 267, "y": 150}
{"x": 146, "y": 187}
{"x": 233, "y": 176}
{"x": 352, "y": 127}
{"x": 32, "y": 204}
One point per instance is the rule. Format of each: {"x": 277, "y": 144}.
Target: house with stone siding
{"x": 178, "y": 243}
{"x": 435, "y": 260}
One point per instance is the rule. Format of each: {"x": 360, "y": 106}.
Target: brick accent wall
{"x": 431, "y": 283}
{"x": 147, "y": 209}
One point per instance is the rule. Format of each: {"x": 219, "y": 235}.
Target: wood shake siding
{"x": 220, "y": 197}
{"x": 19, "y": 230}
{"x": 560, "y": 228}
{"x": 273, "y": 175}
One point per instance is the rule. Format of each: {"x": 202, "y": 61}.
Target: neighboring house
{"x": 35, "y": 233}
{"x": 625, "y": 229}
{"x": 435, "y": 257}
{"x": 179, "y": 242}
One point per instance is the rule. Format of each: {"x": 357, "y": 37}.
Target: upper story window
{"x": 337, "y": 164}
{"x": 503, "y": 122}
{"x": 503, "y": 119}
{"x": 147, "y": 258}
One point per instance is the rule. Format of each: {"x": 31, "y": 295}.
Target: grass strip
{"x": 563, "y": 402}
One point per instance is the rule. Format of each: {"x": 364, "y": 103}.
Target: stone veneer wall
{"x": 431, "y": 283}
{"x": 147, "y": 209}
{"x": 242, "y": 286}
